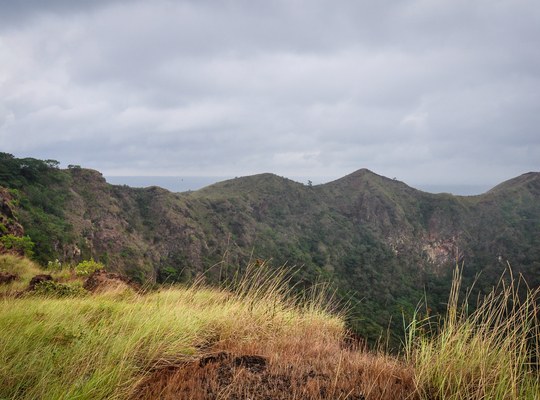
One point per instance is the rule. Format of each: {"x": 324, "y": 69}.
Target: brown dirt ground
{"x": 249, "y": 372}
{"x": 103, "y": 281}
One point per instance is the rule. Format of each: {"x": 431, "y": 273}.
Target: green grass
{"x": 22, "y": 267}
{"x": 100, "y": 346}
{"x": 110, "y": 345}
{"x": 26, "y": 269}
{"x": 490, "y": 353}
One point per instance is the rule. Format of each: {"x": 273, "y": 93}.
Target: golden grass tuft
{"x": 300, "y": 343}
{"x": 490, "y": 353}
{"x": 322, "y": 371}
{"x": 309, "y": 362}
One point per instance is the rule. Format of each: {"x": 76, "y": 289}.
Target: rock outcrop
{"x": 9, "y": 224}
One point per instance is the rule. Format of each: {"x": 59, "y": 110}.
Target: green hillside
{"x": 383, "y": 244}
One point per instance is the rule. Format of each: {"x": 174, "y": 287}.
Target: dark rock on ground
{"x": 255, "y": 364}
{"x": 38, "y": 279}
{"x": 102, "y": 281}
{"x": 7, "y": 277}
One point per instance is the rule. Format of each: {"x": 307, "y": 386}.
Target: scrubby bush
{"x": 88, "y": 267}
{"x": 55, "y": 265}
{"x": 22, "y": 245}
{"x": 56, "y": 289}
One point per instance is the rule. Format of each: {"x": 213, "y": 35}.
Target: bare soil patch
{"x": 103, "y": 281}
{"x": 344, "y": 374}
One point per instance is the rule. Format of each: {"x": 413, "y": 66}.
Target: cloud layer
{"x": 429, "y": 92}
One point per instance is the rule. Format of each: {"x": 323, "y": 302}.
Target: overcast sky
{"x": 428, "y": 91}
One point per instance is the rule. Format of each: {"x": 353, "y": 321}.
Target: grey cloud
{"x": 415, "y": 89}
{"x": 16, "y": 13}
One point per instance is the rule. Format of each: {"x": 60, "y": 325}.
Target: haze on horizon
{"x": 438, "y": 93}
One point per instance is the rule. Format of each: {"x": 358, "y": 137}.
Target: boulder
{"x": 102, "y": 281}
{"x": 38, "y": 279}
{"x": 7, "y": 277}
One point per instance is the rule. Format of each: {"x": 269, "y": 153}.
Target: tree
{"x": 52, "y": 163}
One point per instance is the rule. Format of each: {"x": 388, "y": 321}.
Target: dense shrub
{"x": 22, "y": 245}
{"x": 87, "y": 267}
{"x": 56, "y": 289}
{"x": 55, "y": 265}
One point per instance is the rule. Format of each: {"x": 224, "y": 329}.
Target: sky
{"x": 432, "y": 92}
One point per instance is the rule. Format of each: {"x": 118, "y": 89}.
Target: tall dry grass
{"x": 120, "y": 345}
{"x": 258, "y": 338}
{"x": 489, "y": 353}
{"x": 301, "y": 344}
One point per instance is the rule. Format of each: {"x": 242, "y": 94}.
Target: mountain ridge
{"x": 381, "y": 242}
{"x": 528, "y": 178}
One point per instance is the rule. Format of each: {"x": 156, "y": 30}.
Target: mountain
{"x": 383, "y": 244}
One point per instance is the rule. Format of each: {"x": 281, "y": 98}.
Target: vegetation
{"x": 55, "y": 265}
{"x": 41, "y": 193}
{"x": 384, "y": 245}
{"x": 490, "y": 353}
{"x": 22, "y": 268}
{"x": 22, "y": 245}
{"x": 88, "y": 267}
{"x": 255, "y": 338}
{"x": 58, "y": 289}
{"x": 130, "y": 345}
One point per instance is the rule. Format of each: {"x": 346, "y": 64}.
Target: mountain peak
{"x": 259, "y": 183}
{"x": 356, "y": 175}
{"x": 361, "y": 177}
{"x": 361, "y": 172}
{"x": 530, "y": 180}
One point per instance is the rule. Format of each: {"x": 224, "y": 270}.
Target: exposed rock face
{"x": 9, "y": 224}
{"x": 442, "y": 251}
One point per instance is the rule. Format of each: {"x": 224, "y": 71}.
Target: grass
{"x": 490, "y": 353}
{"x": 256, "y": 339}
{"x": 25, "y": 270}
{"x": 22, "y": 267}
{"x": 121, "y": 345}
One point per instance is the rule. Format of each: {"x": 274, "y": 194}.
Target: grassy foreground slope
{"x": 254, "y": 340}
{"x": 188, "y": 343}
